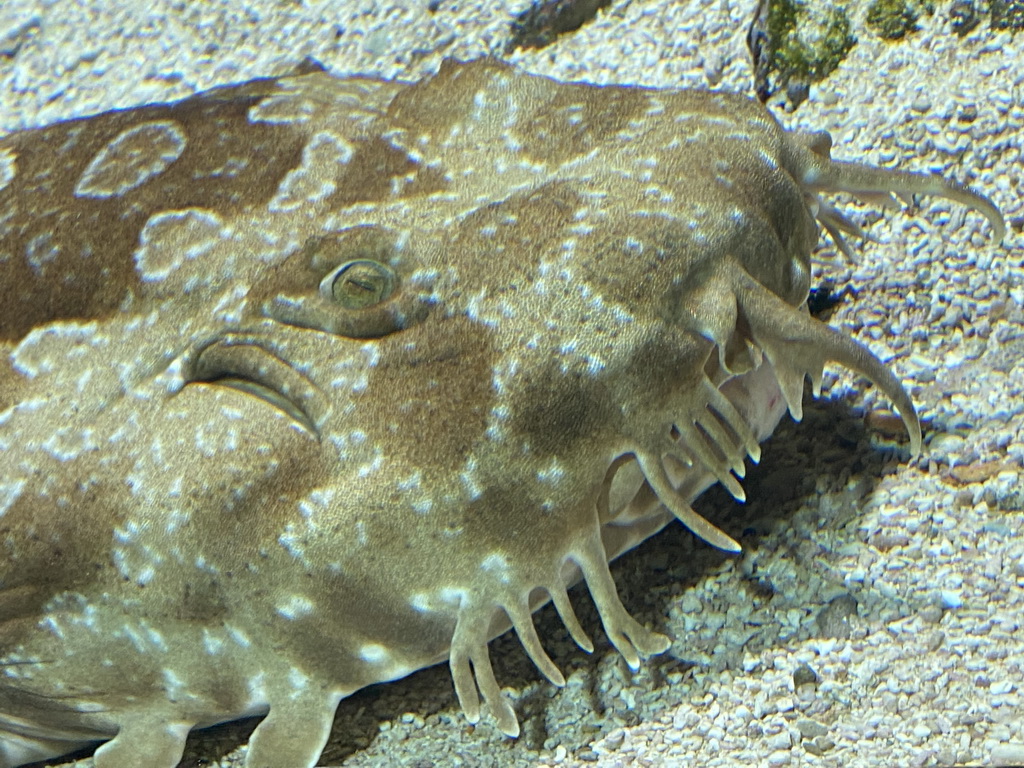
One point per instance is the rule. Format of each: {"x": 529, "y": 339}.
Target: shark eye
{"x": 359, "y": 284}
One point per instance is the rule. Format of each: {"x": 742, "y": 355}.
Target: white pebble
{"x": 780, "y": 740}
{"x": 951, "y": 600}
{"x": 1011, "y": 753}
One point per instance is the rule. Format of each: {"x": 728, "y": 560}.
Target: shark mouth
{"x": 244, "y": 366}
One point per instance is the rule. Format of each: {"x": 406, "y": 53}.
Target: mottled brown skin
{"x": 243, "y": 474}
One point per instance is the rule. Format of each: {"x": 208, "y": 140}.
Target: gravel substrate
{"x": 874, "y": 618}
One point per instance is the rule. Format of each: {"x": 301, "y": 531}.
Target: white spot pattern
{"x": 315, "y": 178}
{"x": 132, "y": 158}
{"x": 374, "y": 653}
{"x": 171, "y": 238}
{"x": 295, "y": 607}
{"x": 8, "y": 168}
{"x": 9, "y": 493}
{"x": 283, "y": 109}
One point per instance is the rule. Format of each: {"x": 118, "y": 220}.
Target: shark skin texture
{"x": 310, "y": 382}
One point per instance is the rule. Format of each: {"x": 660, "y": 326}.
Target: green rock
{"x": 806, "y": 43}
{"x": 892, "y": 19}
{"x": 1007, "y": 14}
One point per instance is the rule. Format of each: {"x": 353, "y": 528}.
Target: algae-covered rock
{"x": 892, "y": 19}
{"x": 802, "y": 43}
{"x": 964, "y": 16}
{"x": 545, "y": 20}
{"x": 1007, "y": 14}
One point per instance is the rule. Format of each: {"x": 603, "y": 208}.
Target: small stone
{"x": 931, "y": 613}
{"x": 813, "y": 749}
{"x": 810, "y": 729}
{"x": 805, "y": 694}
{"x": 742, "y": 714}
{"x": 964, "y": 17}
{"x": 968, "y": 115}
{"x": 976, "y": 472}
{"x": 943, "y": 446}
{"x": 14, "y": 32}
{"x": 690, "y": 603}
{"x": 614, "y": 739}
{"x": 892, "y": 19}
{"x": 834, "y": 619}
{"x": 921, "y": 104}
{"x": 780, "y": 741}
{"x": 797, "y": 92}
{"x": 1006, "y": 14}
{"x": 824, "y": 744}
{"x": 1008, "y": 753}
{"x": 886, "y": 423}
{"x": 950, "y": 600}
{"x": 804, "y": 675}
{"x": 377, "y": 42}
